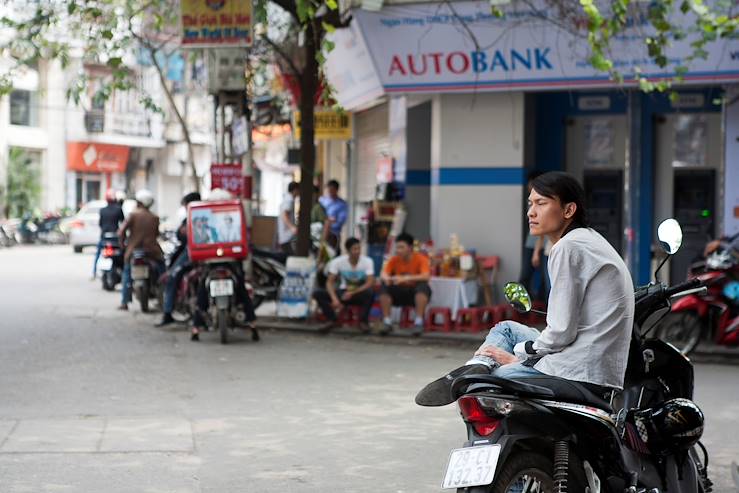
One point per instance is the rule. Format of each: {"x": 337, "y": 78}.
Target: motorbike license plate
{"x": 471, "y": 466}
{"x": 139, "y": 272}
{"x": 221, "y": 287}
{"x": 105, "y": 263}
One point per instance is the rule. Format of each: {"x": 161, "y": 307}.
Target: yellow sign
{"x": 216, "y": 23}
{"x": 329, "y": 125}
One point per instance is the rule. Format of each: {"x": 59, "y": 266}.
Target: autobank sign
{"x": 460, "y": 46}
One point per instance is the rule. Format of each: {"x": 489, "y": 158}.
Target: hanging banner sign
{"x": 329, "y": 125}
{"x": 216, "y": 23}
{"x": 227, "y": 176}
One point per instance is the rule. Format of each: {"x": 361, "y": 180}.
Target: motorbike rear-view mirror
{"x": 517, "y": 296}
{"x": 670, "y": 236}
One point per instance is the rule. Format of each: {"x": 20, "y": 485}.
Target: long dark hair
{"x": 564, "y": 187}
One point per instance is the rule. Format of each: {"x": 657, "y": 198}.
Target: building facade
{"x": 465, "y": 105}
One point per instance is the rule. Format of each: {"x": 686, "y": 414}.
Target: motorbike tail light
{"x": 474, "y": 414}
{"x": 77, "y": 224}
{"x": 221, "y": 274}
{"x": 108, "y": 251}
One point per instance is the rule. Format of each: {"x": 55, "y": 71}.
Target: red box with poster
{"x": 216, "y": 230}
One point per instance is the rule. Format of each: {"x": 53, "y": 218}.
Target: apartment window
{"x": 23, "y": 108}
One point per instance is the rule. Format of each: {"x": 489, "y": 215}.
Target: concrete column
{"x": 731, "y": 162}
{"x": 477, "y": 174}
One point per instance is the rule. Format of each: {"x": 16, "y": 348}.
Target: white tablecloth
{"x": 453, "y": 293}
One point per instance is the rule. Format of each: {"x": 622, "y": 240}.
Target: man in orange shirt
{"x": 405, "y": 283}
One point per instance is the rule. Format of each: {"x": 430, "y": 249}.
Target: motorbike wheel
{"x": 143, "y": 296}
{"x": 223, "y": 325}
{"x": 681, "y": 329}
{"x": 525, "y": 473}
{"x": 108, "y": 281}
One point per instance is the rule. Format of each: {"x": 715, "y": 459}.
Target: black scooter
{"x": 547, "y": 434}
{"x": 110, "y": 263}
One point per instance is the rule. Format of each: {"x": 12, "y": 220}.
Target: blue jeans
{"x": 126, "y": 284}
{"x": 505, "y": 335}
{"x": 97, "y": 257}
{"x": 170, "y": 290}
{"x": 126, "y": 280}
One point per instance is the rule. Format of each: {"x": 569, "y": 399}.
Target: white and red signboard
{"x": 227, "y": 176}
{"x": 439, "y": 48}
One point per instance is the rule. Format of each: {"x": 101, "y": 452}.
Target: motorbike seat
{"x": 571, "y": 391}
{"x": 277, "y": 256}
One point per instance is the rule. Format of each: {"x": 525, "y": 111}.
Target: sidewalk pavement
{"x": 704, "y": 353}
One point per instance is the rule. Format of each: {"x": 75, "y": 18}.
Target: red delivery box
{"x": 216, "y": 230}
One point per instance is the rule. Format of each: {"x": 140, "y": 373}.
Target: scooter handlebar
{"x": 684, "y": 286}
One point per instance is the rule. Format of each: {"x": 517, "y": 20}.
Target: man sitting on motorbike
{"x": 179, "y": 265}
{"x": 590, "y": 306}
{"x": 142, "y": 227}
{"x": 111, "y": 217}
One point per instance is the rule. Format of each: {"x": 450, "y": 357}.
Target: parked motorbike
{"x": 225, "y": 308}
{"x": 268, "y": 272}
{"x": 144, "y": 274}
{"x": 110, "y": 263}
{"x": 547, "y": 434}
{"x": 710, "y": 316}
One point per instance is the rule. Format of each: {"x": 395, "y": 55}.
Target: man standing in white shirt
{"x": 590, "y": 310}
{"x": 286, "y": 228}
{"x": 356, "y": 276}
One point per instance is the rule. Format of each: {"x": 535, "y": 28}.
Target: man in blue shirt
{"x": 337, "y": 211}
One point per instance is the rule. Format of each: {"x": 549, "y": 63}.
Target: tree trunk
{"x": 180, "y": 119}
{"x": 308, "y": 87}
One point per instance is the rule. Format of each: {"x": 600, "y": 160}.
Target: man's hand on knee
{"x": 502, "y": 357}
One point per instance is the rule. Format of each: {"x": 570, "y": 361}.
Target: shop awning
{"x": 90, "y": 157}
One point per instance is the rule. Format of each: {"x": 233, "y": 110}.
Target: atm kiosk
{"x": 604, "y": 195}
{"x": 694, "y": 200}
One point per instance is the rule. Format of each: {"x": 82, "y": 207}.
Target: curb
{"x": 704, "y": 353}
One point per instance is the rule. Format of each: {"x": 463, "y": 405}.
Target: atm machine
{"x": 688, "y": 173}
{"x": 694, "y": 204}
{"x": 596, "y": 154}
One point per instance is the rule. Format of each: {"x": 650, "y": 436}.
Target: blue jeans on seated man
{"x": 505, "y": 335}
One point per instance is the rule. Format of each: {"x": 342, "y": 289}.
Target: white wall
{"x": 479, "y": 131}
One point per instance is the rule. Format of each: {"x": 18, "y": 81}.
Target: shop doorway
{"x": 688, "y": 166}
{"x": 595, "y": 152}
{"x": 88, "y": 187}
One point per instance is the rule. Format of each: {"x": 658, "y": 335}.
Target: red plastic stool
{"x": 490, "y": 315}
{"x": 350, "y": 315}
{"x": 446, "y": 323}
{"x": 468, "y": 320}
{"x": 407, "y": 317}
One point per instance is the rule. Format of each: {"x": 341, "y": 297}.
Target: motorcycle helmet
{"x": 110, "y": 196}
{"x": 220, "y": 194}
{"x": 731, "y": 291}
{"x": 145, "y": 198}
{"x": 672, "y": 426}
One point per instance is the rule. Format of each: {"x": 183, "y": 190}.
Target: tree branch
{"x": 283, "y": 55}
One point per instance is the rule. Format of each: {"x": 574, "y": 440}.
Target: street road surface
{"x": 95, "y": 400}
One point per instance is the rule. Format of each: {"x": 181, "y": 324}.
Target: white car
{"x": 84, "y": 227}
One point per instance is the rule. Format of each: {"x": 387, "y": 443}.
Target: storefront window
{"x": 23, "y": 108}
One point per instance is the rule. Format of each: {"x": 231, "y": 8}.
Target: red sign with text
{"x": 227, "y": 176}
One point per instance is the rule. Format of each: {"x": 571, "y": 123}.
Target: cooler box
{"x": 216, "y": 230}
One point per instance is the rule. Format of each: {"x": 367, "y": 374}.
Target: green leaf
{"x": 331, "y": 4}
{"x": 328, "y": 27}
{"x": 115, "y": 62}
{"x": 107, "y": 34}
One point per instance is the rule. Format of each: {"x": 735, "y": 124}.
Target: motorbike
{"x": 110, "y": 263}
{"x": 144, "y": 274}
{"x": 225, "y": 308}
{"x": 268, "y": 272}
{"x": 713, "y": 315}
{"x": 547, "y": 434}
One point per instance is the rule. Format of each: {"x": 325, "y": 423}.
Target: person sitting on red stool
{"x": 356, "y": 275}
{"x": 405, "y": 283}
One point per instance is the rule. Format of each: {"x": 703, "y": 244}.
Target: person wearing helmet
{"x": 179, "y": 265}
{"x": 111, "y": 217}
{"x": 139, "y": 232}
